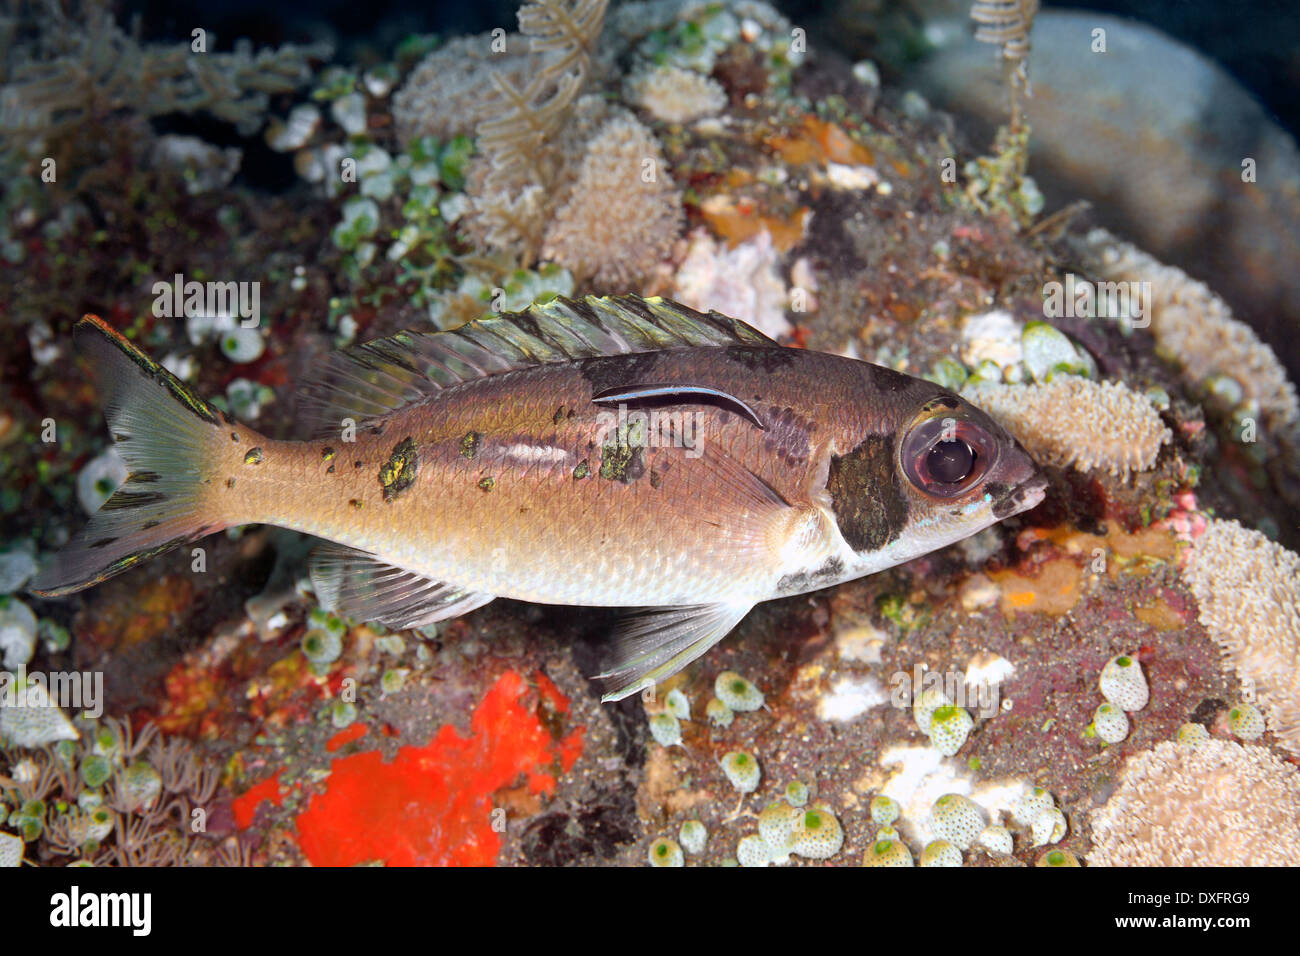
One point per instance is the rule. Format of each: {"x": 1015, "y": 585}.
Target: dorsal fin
{"x": 370, "y": 380}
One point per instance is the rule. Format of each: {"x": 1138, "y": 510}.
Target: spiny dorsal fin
{"x": 370, "y": 380}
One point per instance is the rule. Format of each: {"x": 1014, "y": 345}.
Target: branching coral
{"x": 1195, "y": 328}
{"x": 1077, "y": 422}
{"x": 623, "y": 213}
{"x": 1248, "y": 589}
{"x": 521, "y": 142}
{"x": 1217, "y": 803}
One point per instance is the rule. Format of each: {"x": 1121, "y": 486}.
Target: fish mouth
{"x": 1028, "y": 494}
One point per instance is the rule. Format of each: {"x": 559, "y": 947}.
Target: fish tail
{"x": 169, "y": 439}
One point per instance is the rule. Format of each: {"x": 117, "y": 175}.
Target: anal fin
{"x": 652, "y": 644}
{"x": 364, "y": 588}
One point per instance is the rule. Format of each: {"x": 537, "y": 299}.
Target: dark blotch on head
{"x": 870, "y": 507}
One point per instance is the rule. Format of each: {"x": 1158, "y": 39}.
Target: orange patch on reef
{"x": 741, "y": 219}
{"x": 245, "y": 806}
{"x": 819, "y": 141}
{"x": 432, "y": 805}
{"x": 345, "y": 737}
{"x": 1054, "y": 589}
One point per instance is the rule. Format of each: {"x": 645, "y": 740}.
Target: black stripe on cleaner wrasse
{"x": 799, "y": 470}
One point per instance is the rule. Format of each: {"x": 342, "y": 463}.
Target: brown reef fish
{"x": 614, "y": 451}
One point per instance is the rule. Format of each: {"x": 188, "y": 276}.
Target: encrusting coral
{"x": 673, "y": 94}
{"x": 1076, "y": 422}
{"x": 1195, "y": 327}
{"x": 1217, "y": 803}
{"x": 1248, "y": 589}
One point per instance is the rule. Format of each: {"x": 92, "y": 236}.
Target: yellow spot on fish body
{"x": 254, "y": 457}
{"x": 486, "y": 484}
{"x": 398, "y": 473}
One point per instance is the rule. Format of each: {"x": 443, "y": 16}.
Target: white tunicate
{"x": 884, "y": 810}
{"x": 665, "y": 729}
{"x": 678, "y": 704}
{"x": 1111, "y": 723}
{"x": 11, "y": 850}
{"x": 693, "y": 836}
{"x": 99, "y": 478}
{"x": 300, "y": 125}
{"x": 997, "y": 840}
{"x": 927, "y": 702}
{"x": 736, "y": 692}
{"x": 1031, "y": 805}
{"x": 1246, "y": 722}
{"x": 1049, "y": 827}
{"x": 350, "y": 112}
{"x": 742, "y": 770}
{"x": 817, "y": 834}
{"x": 949, "y": 728}
{"x": 16, "y": 567}
{"x": 17, "y": 633}
{"x": 957, "y": 819}
{"x": 666, "y": 852}
{"x": 753, "y": 851}
{"x": 29, "y": 718}
{"x": 1047, "y": 350}
{"x": 940, "y": 853}
{"x": 776, "y": 824}
{"x": 241, "y": 345}
{"x": 1123, "y": 684}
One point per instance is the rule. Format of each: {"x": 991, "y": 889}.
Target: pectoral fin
{"x": 652, "y": 644}
{"x": 366, "y": 589}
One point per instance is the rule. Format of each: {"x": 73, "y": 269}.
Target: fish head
{"x": 960, "y": 470}
{"x": 926, "y": 469}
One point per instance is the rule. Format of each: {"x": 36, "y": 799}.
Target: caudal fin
{"x": 167, "y": 436}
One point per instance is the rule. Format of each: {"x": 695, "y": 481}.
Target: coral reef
{"x": 673, "y": 94}
{"x": 1196, "y": 329}
{"x": 1075, "y": 422}
{"x": 945, "y": 711}
{"x": 622, "y": 213}
{"x": 112, "y": 797}
{"x": 1216, "y": 803}
{"x": 1248, "y": 591}
{"x": 94, "y": 69}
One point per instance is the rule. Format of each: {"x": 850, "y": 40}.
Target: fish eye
{"x": 950, "y": 461}
{"x": 945, "y": 457}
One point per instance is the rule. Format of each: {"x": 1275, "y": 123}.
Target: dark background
{"x": 1258, "y": 42}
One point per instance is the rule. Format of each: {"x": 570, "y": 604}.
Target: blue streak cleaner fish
{"x": 611, "y": 451}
